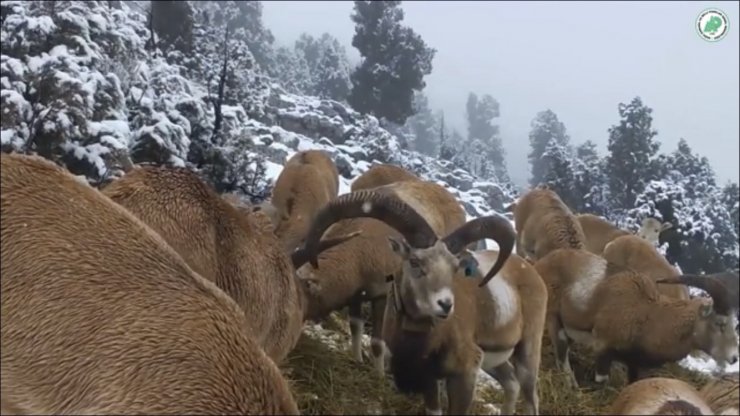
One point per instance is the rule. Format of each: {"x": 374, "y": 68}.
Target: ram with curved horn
{"x": 621, "y": 314}
{"x": 438, "y": 324}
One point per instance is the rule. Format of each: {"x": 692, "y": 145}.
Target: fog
{"x": 579, "y": 59}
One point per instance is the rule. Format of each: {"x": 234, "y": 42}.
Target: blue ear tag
{"x": 470, "y": 269}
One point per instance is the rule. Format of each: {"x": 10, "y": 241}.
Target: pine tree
{"x": 589, "y": 181}
{"x": 631, "y": 148}
{"x": 331, "y": 75}
{"x": 173, "y": 22}
{"x": 293, "y": 71}
{"x": 423, "y": 126}
{"x": 395, "y": 61}
{"x": 480, "y": 114}
{"x": 559, "y": 172}
{"x": 731, "y": 201}
{"x": 545, "y": 127}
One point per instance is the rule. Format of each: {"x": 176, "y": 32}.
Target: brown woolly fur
{"x": 101, "y": 316}
{"x": 382, "y": 174}
{"x": 640, "y": 255}
{"x": 544, "y": 223}
{"x": 225, "y": 244}
{"x": 723, "y": 394}
{"x": 307, "y": 182}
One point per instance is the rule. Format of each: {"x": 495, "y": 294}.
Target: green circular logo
{"x": 712, "y": 25}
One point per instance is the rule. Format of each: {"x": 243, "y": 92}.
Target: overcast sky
{"x": 580, "y": 59}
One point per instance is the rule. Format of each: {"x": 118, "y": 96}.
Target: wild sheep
{"x": 435, "y": 323}
{"x": 357, "y": 271}
{"x": 599, "y": 232}
{"x": 544, "y": 223}
{"x": 382, "y": 174}
{"x": 659, "y": 396}
{"x": 224, "y": 243}
{"x": 622, "y": 316}
{"x": 101, "y": 316}
{"x": 631, "y": 251}
{"x": 723, "y": 394}
{"x": 307, "y": 182}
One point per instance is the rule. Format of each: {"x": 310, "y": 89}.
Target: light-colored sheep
{"x": 633, "y": 252}
{"x": 101, "y": 316}
{"x": 430, "y": 323}
{"x": 544, "y": 223}
{"x": 651, "y": 228}
{"x": 659, "y": 396}
{"x": 620, "y": 314}
{"x": 226, "y": 244}
{"x": 307, "y": 182}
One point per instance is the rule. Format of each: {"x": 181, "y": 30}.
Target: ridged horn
{"x": 713, "y": 286}
{"x": 370, "y": 203}
{"x": 496, "y": 228}
{"x": 300, "y": 256}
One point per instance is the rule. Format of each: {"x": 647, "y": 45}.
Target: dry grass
{"x": 330, "y": 381}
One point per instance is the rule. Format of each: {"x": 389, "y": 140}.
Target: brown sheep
{"x": 620, "y": 314}
{"x": 723, "y": 394}
{"x": 224, "y": 243}
{"x": 631, "y": 251}
{"x": 659, "y": 396}
{"x": 307, "y": 182}
{"x": 382, "y": 174}
{"x": 357, "y": 271}
{"x": 544, "y": 223}
{"x": 101, "y": 316}
{"x": 430, "y": 318}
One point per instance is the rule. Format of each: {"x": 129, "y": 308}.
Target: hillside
{"x": 80, "y": 86}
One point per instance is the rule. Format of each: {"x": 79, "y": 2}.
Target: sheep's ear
{"x": 705, "y": 310}
{"x": 399, "y": 246}
{"x": 468, "y": 264}
{"x": 666, "y": 226}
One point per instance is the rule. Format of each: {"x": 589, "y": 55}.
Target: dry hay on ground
{"x": 327, "y": 380}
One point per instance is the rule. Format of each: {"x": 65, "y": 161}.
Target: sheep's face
{"x": 426, "y": 281}
{"x": 651, "y": 229}
{"x": 715, "y": 334}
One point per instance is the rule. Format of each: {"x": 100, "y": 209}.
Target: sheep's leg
{"x": 376, "y": 343}
{"x": 527, "y": 364}
{"x": 634, "y": 373}
{"x": 356, "y": 327}
{"x": 460, "y": 391}
{"x": 559, "y": 341}
{"x": 603, "y": 365}
{"x": 431, "y": 398}
{"x": 504, "y": 374}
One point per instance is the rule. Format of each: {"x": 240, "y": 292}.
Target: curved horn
{"x": 494, "y": 227}
{"x": 713, "y": 286}
{"x": 300, "y": 256}
{"x": 371, "y": 203}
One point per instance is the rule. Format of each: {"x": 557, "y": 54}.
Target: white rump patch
{"x": 492, "y": 360}
{"x": 503, "y": 295}
{"x": 367, "y": 206}
{"x": 589, "y": 276}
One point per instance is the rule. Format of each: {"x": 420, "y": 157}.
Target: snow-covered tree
{"x": 589, "y": 182}
{"x": 480, "y": 116}
{"x": 559, "y": 172}
{"x": 332, "y": 74}
{"x": 545, "y": 127}
{"x": 293, "y": 71}
{"x": 395, "y": 61}
{"x": 172, "y": 20}
{"x": 423, "y": 126}
{"x": 632, "y": 146}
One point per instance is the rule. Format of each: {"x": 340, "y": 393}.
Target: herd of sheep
{"x": 155, "y": 294}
